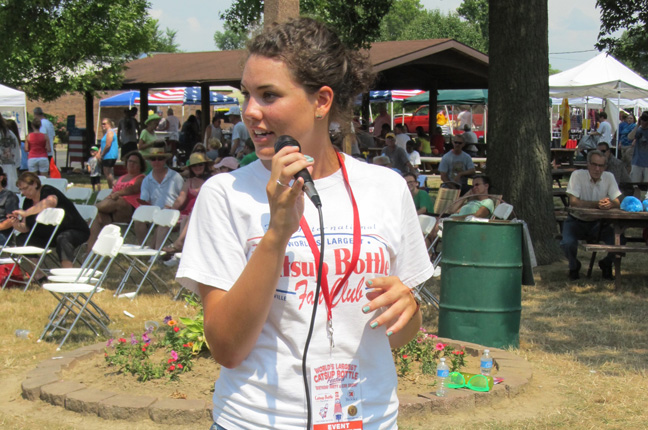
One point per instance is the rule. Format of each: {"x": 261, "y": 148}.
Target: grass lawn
{"x": 586, "y": 342}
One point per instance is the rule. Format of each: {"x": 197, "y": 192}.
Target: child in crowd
{"x": 413, "y": 154}
{"x": 94, "y": 168}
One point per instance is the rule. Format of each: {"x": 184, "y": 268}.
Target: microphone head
{"x": 285, "y": 140}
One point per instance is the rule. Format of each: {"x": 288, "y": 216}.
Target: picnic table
{"x": 563, "y": 155}
{"x": 429, "y": 164}
{"x": 558, "y": 174}
{"x": 619, "y": 220}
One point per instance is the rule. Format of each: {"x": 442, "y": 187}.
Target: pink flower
{"x": 180, "y": 366}
{"x": 171, "y": 368}
{"x": 432, "y": 336}
{"x": 176, "y": 329}
{"x": 174, "y": 355}
{"x": 439, "y": 346}
{"x": 422, "y": 330}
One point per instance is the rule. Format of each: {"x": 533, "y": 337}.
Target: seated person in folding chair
{"x": 8, "y": 204}
{"x": 591, "y": 188}
{"x": 160, "y": 188}
{"x": 73, "y": 231}
{"x": 456, "y": 166}
{"x": 119, "y": 206}
{"x": 422, "y": 199}
{"x": 475, "y": 202}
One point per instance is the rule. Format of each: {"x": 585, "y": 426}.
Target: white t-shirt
{"x": 606, "y": 132}
{"x": 174, "y": 127}
{"x": 48, "y": 128}
{"x": 402, "y": 139}
{"x": 229, "y": 219}
{"x": 240, "y": 132}
{"x": 415, "y": 158}
{"x": 162, "y": 194}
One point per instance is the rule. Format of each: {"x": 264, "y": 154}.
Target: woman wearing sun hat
{"x": 147, "y": 137}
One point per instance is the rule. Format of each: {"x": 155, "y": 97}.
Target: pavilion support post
{"x": 89, "y": 117}
{"x": 205, "y": 107}
{"x": 366, "y": 114}
{"x": 144, "y": 106}
{"x": 279, "y": 11}
{"x": 432, "y": 102}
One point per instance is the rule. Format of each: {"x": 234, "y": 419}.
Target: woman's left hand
{"x": 391, "y": 293}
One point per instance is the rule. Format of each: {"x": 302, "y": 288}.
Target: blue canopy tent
{"x": 123, "y": 99}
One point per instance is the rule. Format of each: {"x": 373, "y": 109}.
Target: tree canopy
{"x": 409, "y": 20}
{"x": 52, "y": 47}
{"x": 632, "y": 46}
{"x": 356, "y": 22}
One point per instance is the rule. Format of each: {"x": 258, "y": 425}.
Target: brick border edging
{"x": 44, "y": 382}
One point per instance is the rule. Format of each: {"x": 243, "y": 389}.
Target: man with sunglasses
{"x": 159, "y": 188}
{"x": 456, "y": 166}
{"x": 591, "y": 188}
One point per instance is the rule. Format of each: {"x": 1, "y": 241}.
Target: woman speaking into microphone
{"x": 255, "y": 244}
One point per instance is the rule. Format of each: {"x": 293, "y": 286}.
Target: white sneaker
{"x": 172, "y": 262}
{"x": 437, "y": 272}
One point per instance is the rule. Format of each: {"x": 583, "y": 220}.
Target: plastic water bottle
{"x": 443, "y": 371}
{"x": 23, "y": 334}
{"x": 486, "y": 363}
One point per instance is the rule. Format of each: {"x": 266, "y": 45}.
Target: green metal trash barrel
{"x": 481, "y": 283}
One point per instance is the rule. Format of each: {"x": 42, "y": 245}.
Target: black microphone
{"x": 309, "y": 185}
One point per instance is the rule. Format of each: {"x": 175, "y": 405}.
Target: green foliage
{"x": 194, "y": 331}
{"x": 164, "y": 41}
{"x": 168, "y": 354}
{"x": 426, "y": 349}
{"x": 51, "y": 47}
{"x": 632, "y": 46}
{"x": 476, "y": 12}
{"x": 357, "y": 22}
{"x": 408, "y": 20}
{"x": 231, "y": 39}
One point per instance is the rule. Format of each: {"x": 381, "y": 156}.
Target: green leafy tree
{"x": 164, "y": 41}
{"x": 231, "y": 39}
{"x": 52, "y": 47}
{"x": 409, "y": 20}
{"x": 476, "y": 12}
{"x": 357, "y": 22}
{"x": 632, "y": 46}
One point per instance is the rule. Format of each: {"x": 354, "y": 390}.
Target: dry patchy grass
{"x": 586, "y": 342}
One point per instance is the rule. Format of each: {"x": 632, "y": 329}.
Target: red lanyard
{"x": 330, "y": 295}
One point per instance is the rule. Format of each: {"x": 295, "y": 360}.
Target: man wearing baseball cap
{"x": 46, "y": 128}
{"x": 239, "y": 132}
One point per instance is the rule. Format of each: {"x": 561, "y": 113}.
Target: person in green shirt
{"x": 249, "y": 153}
{"x": 422, "y": 200}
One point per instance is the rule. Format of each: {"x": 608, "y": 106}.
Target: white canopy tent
{"x": 13, "y": 104}
{"x": 603, "y": 76}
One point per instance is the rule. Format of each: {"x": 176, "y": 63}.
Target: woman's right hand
{"x": 286, "y": 201}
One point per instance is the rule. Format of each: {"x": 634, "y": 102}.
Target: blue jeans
{"x": 575, "y": 230}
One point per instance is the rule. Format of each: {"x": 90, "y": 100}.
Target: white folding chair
{"x": 75, "y": 298}
{"x": 49, "y": 216}
{"x": 88, "y": 212}
{"x": 60, "y": 183}
{"x": 79, "y": 195}
{"x": 145, "y": 214}
{"x": 102, "y": 194}
{"x": 427, "y": 224}
{"x": 502, "y": 211}
{"x": 72, "y": 274}
{"x": 137, "y": 256}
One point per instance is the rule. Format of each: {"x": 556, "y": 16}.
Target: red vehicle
{"x": 421, "y": 117}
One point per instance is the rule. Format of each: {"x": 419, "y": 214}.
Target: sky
{"x": 573, "y": 25}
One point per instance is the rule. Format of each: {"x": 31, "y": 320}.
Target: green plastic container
{"x": 481, "y": 283}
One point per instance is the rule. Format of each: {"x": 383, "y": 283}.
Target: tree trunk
{"x": 518, "y": 125}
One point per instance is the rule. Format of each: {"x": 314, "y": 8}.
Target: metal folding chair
{"x": 138, "y": 255}
{"x": 75, "y": 298}
{"x": 50, "y": 216}
{"x": 79, "y": 195}
{"x": 102, "y": 194}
